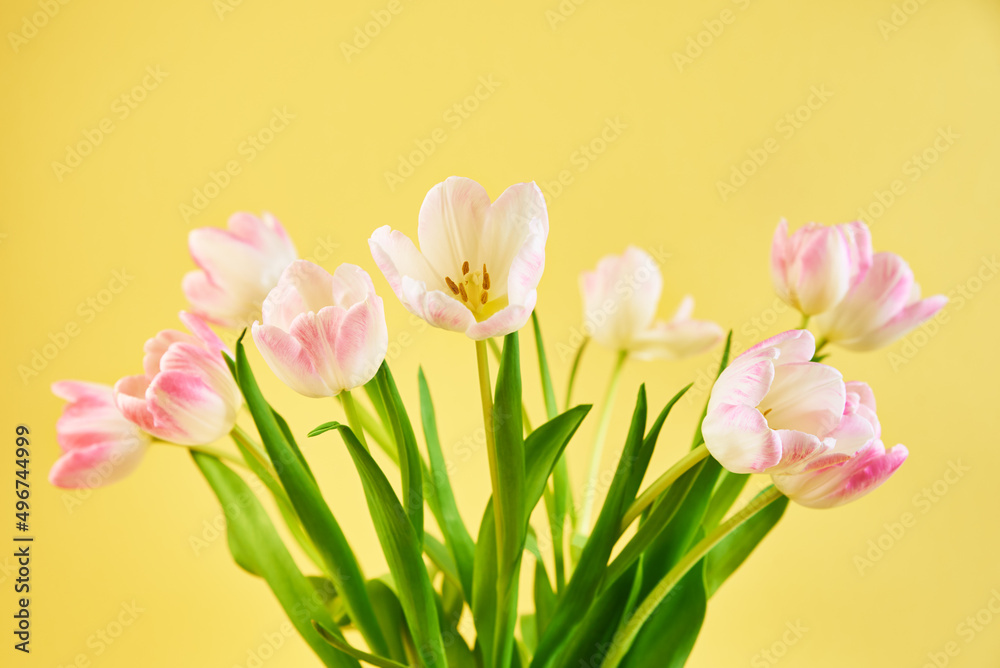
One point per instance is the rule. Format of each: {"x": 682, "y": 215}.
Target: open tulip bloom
{"x": 630, "y": 576}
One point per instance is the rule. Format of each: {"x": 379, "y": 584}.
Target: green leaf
{"x": 545, "y": 599}
{"x": 727, "y": 490}
{"x": 659, "y": 517}
{"x": 511, "y": 509}
{"x": 342, "y": 645}
{"x": 667, "y": 638}
{"x": 543, "y": 447}
{"x": 441, "y": 557}
{"x": 257, "y": 547}
{"x": 582, "y": 587}
{"x": 560, "y": 501}
{"x": 406, "y": 445}
{"x": 338, "y": 560}
{"x": 456, "y": 536}
{"x": 599, "y": 621}
{"x": 403, "y": 552}
{"x": 390, "y": 617}
{"x": 548, "y": 391}
{"x": 734, "y": 549}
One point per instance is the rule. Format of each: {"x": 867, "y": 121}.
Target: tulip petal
{"x": 505, "y": 321}
{"x": 450, "y": 224}
{"x": 289, "y": 361}
{"x": 396, "y": 257}
{"x": 187, "y": 410}
{"x": 746, "y": 385}
{"x": 805, "y": 396}
{"x": 676, "y": 340}
{"x": 902, "y": 323}
{"x": 130, "y": 398}
{"x": 845, "y": 482}
{"x": 98, "y": 464}
{"x": 512, "y": 243}
{"x": 362, "y": 341}
{"x": 436, "y": 307}
{"x": 740, "y": 439}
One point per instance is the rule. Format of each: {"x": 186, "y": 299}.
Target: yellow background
{"x": 655, "y": 186}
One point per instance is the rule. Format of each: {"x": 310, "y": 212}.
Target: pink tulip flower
{"x": 814, "y": 268}
{"x": 620, "y": 300}
{"x": 323, "y": 334}
{"x": 187, "y": 394}
{"x": 237, "y": 268}
{"x": 773, "y": 406}
{"x": 479, "y": 264}
{"x": 844, "y": 482}
{"x": 880, "y": 308}
{"x": 100, "y": 446}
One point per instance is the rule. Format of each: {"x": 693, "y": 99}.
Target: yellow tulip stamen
{"x": 473, "y": 290}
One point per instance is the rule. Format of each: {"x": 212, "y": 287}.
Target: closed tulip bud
{"x": 100, "y": 446}
{"x": 237, "y": 268}
{"x": 815, "y": 267}
{"x": 323, "y": 334}
{"x": 187, "y": 394}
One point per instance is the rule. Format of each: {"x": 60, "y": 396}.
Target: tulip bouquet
{"x": 624, "y": 583}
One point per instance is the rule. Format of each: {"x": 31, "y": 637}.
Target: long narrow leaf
{"x": 511, "y": 509}
{"x": 403, "y": 552}
{"x": 456, "y": 536}
{"x": 582, "y": 587}
{"x": 343, "y": 646}
{"x": 734, "y": 549}
{"x": 338, "y": 560}
{"x": 256, "y": 546}
{"x": 543, "y": 447}
{"x": 406, "y": 446}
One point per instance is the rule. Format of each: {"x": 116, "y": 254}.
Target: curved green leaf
{"x": 257, "y": 547}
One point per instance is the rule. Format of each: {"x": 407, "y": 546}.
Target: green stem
{"x": 486, "y": 396}
{"x": 353, "y": 419}
{"x": 218, "y": 453}
{"x": 819, "y": 347}
{"x": 590, "y": 491}
{"x": 624, "y": 638}
{"x": 573, "y": 370}
{"x": 805, "y": 321}
{"x": 255, "y": 448}
{"x": 660, "y": 485}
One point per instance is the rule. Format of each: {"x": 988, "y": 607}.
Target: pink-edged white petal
{"x": 740, "y": 439}
{"x": 505, "y": 321}
{"x": 98, "y": 464}
{"x": 844, "y": 482}
{"x": 289, "y": 361}
{"x": 805, "y": 396}
{"x": 322, "y": 334}
{"x": 512, "y": 244}
{"x": 450, "y": 224}
{"x": 677, "y": 339}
